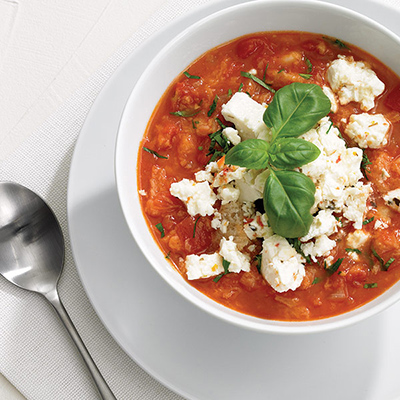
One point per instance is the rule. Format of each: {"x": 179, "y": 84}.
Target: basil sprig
{"x": 288, "y": 195}
{"x": 295, "y": 109}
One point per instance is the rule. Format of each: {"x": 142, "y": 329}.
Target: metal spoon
{"x": 32, "y": 257}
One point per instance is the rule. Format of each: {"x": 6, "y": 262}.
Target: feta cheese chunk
{"x": 368, "y": 130}
{"x": 257, "y": 226}
{"x": 324, "y": 223}
{"x": 238, "y": 261}
{"x": 319, "y": 248}
{"x": 228, "y": 193}
{"x": 281, "y": 266}
{"x": 232, "y": 135}
{"x": 203, "y": 266}
{"x": 354, "y": 81}
{"x": 357, "y": 239}
{"x": 332, "y": 97}
{"x": 247, "y": 116}
{"x": 198, "y": 197}
{"x": 392, "y": 199}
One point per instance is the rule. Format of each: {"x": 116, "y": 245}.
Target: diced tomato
{"x": 163, "y": 203}
{"x": 393, "y": 99}
{"x": 245, "y": 48}
{"x": 196, "y": 234}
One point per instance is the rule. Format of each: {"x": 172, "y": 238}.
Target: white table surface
{"x": 54, "y": 53}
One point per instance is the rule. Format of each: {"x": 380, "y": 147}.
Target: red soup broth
{"x": 280, "y": 58}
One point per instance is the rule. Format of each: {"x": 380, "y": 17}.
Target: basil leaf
{"x": 251, "y": 153}
{"x": 289, "y": 153}
{"x": 161, "y": 229}
{"x": 295, "y": 109}
{"x": 288, "y": 198}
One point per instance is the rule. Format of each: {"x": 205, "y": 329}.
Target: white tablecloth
{"x": 55, "y": 57}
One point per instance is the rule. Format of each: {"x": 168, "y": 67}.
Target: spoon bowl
{"x": 32, "y": 257}
{"x": 31, "y": 240}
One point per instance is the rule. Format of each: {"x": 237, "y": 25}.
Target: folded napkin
{"x": 36, "y": 353}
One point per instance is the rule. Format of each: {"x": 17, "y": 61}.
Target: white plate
{"x": 191, "y": 352}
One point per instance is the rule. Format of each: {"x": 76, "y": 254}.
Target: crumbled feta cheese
{"x": 247, "y": 116}
{"x": 203, "y": 266}
{"x": 392, "y": 199}
{"x": 354, "y": 81}
{"x": 379, "y": 224}
{"x": 355, "y": 203}
{"x": 248, "y": 209}
{"x": 336, "y": 168}
{"x": 142, "y": 192}
{"x": 228, "y": 174}
{"x": 203, "y": 176}
{"x": 368, "y": 130}
{"x": 357, "y": 239}
{"x": 228, "y": 193}
{"x": 198, "y": 197}
{"x": 232, "y": 135}
{"x": 252, "y": 185}
{"x": 324, "y": 223}
{"x": 332, "y": 97}
{"x": 281, "y": 266}
{"x": 257, "y": 226}
{"x": 238, "y": 261}
{"x": 319, "y": 248}
{"x": 219, "y": 223}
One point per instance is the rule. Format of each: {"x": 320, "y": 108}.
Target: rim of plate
{"x": 126, "y": 180}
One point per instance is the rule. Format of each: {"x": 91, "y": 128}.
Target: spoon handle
{"x": 101, "y": 384}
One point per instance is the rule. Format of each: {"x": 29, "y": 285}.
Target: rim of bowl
{"x": 126, "y": 181}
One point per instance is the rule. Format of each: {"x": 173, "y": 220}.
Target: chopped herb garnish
{"x": 353, "y": 251}
{"x": 191, "y": 76}
{"x": 230, "y": 92}
{"x": 194, "y": 123}
{"x": 154, "y": 153}
{"x": 309, "y": 65}
{"x": 185, "y": 114}
{"x": 305, "y": 76}
{"x": 295, "y": 242}
{"x": 167, "y": 256}
{"x": 336, "y": 42}
{"x": 225, "y": 264}
{"x": 367, "y": 221}
{"x": 220, "y": 123}
{"x": 240, "y": 87}
{"x": 330, "y": 126}
{"x": 388, "y": 263}
{"x": 316, "y": 280}
{"x": 161, "y": 229}
{"x": 333, "y": 267}
{"x": 265, "y": 72}
{"x": 281, "y": 70}
{"x": 218, "y": 138}
{"x": 213, "y": 106}
{"x": 200, "y": 148}
{"x": 195, "y": 225}
{"x": 384, "y": 265}
{"x": 364, "y": 164}
{"x": 370, "y": 285}
{"x": 257, "y": 80}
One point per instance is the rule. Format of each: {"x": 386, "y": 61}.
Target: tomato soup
{"x": 184, "y": 136}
